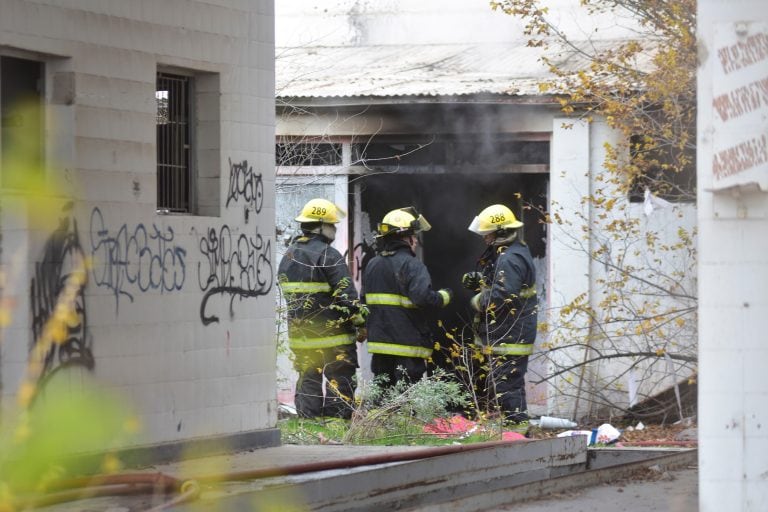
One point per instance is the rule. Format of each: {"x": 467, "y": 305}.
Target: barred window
{"x": 173, "y": 95}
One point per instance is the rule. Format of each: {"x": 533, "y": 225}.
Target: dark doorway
{"x": 21, "y": 121}
{"x": 449, "y": 202}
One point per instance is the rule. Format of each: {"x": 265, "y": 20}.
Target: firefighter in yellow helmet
{"x": 505, "y": 306}
{"x": 323, "y": 314}
{"x": 398, "y": 291}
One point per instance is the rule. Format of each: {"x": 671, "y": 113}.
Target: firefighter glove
{"x": 446, "y": 294}
{"x": 359, "y": 317}
{"x": 472, "y": 280}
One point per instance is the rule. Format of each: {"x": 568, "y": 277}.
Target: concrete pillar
{"x": 733, "y": 254}
{"x": 569, "y": 262}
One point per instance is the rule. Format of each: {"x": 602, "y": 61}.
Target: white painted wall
{"x": 578, "y": 228}
{"x": 733, "y": 277}
{"x": 568, "y": 260}
{"x": 186, "y": 379}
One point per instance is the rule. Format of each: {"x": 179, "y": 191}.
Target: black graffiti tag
{"x": 239, "y": 266}
{"x": 245, "y": 184}
{"x": 61, "y": 255}
{"x": 142, "y": 258}
{"x": 361, "y": 255}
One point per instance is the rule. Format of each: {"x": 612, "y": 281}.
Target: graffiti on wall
{"x": 361, "y": 255}
{"x": 138, "y": 258}
{"x": 131, "y": 259}
{"x": 245, "y": 185}
{"x": 236, "y": 266}
{"x": 61, "y": 254}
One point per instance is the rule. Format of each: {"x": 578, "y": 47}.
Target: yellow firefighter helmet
{"x": 403, "y": 220}
{"x": 320, "y": 210}
{"x": 494, "y": 218}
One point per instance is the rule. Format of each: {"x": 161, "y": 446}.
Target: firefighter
{"x": 323, "y": 314}
{"x": 505, "y": 306}
{"x": 398, "y": 292}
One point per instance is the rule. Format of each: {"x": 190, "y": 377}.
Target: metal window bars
{"x": 172, "y": 94}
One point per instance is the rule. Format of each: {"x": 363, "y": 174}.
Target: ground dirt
{"x": 682, "y": 435}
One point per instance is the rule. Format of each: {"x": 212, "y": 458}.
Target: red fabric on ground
{"x": 458, "y": 425}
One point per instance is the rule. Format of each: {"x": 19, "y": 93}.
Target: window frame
{"x": 191, "y": 150}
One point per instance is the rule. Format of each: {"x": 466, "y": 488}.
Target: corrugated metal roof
{"x": 391, "y": 71}
{"x": 408, "y": 70}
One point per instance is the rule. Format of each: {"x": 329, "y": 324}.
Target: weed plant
{"x": 391, "y": 415}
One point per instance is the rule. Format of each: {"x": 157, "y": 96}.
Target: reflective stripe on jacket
{"x": 290, "y": 287}
{"x": 319, "y": 294}
{"x": 393, "y": 349}
{"x": 388, "y": 299}
{"x": 513, "y": 349}
{"x": 323, "y": 342}
{"x": 508, "y": 349}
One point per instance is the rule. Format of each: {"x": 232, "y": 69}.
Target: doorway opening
{"x": 449, "y": 201}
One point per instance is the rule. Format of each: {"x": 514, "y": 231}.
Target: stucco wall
{"x": 180, "y": 308}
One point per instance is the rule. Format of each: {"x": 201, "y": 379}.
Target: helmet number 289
{"x": 317, "y": 210}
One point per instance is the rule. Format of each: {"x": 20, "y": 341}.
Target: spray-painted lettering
{"x": 245, "y": 185}
{"x": 361, "y": 255}
{"x": 61, "y": 255}
{"x": 138, "y": 258}
{"x": 239, "y": 266}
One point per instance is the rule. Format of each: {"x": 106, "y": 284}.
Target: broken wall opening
{"x": 449, "y": 201}
{"x": 449, "y": 160}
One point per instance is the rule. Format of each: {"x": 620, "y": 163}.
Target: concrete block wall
{"x": 733, "y": 220}
{"x": 180, "y": 308}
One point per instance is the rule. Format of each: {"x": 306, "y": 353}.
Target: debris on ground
{"x": 680, "y": 434}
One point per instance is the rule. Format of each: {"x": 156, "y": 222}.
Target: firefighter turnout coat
{"x": 397, "y": 288}
{"x": 507, "y": 304}
{"x": 319, "y": 293}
